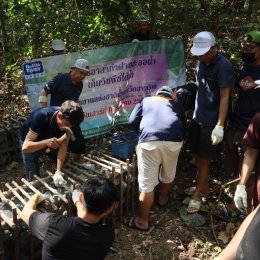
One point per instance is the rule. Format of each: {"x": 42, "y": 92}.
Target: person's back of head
{"x": 99, "y": 195}
{"x": 72, "y": 112}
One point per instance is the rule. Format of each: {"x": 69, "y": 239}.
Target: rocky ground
{"x": 169, "y": 236}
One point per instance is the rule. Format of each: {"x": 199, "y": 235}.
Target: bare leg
{"x": 144, "y": 206}
{"x": 164, "y": 189}
{"x": 202, "y": 184}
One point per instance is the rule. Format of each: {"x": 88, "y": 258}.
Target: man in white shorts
{"x": 161, "y": 124}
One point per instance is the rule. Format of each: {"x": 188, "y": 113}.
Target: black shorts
{"x": 199, "y": 141}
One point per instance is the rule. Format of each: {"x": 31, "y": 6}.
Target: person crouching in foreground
{"x": 80, "y": 237}
{"x": 41, "y": 130}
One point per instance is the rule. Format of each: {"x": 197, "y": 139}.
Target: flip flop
{"x": 190, "y": 191}
{"x": 194, "y": 206}
{"x": 131, "y": 224}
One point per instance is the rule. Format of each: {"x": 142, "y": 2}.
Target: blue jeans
{"x": 31, "y": 160}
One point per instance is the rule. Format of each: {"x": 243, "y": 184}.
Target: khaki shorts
{"x": 157, "y": 161}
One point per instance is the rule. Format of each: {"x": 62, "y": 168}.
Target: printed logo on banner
{"x": 33, "y": 69}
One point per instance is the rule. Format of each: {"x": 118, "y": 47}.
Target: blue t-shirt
{"x": 209, "y": 79}
{"x": 248, "y": 97}
{"x": 158, "y": 119}
{"x": 61, "y": 89}
{"x": 43, "y": 122}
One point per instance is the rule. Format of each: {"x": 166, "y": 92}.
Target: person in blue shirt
{"x": 247, "y": 105}
{"x": 214, "y": 80}
{"x": 161, "y": 123}
{"x": 68, "y": 86}
{"x": 42, "y": 129}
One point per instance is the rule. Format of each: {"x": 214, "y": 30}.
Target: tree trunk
{"x": 186, "y": 24}
{"x": 152, "y": 12}
{"x": 4, "y": 42}
{"x": 250, "y": 9}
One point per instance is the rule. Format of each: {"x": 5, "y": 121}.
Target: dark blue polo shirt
{"x": 61, "y": 89}
{"x": 158, "y": 119}
{"x": 209, "y": 80}
{"x": 248, "y": 97}
{"x": 43, "y": 122}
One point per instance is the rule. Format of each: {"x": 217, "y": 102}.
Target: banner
{"x": 120, "y": 76}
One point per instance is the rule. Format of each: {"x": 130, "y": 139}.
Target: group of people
{"x": 161, "y": 123}
{"x": 82, "y": 236}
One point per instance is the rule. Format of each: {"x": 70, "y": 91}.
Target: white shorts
{"x": 157, "y": 161}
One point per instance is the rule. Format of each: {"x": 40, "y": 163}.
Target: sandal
{"x": 131, "y": 224}
{"x": 194, "y": 206}
{"x": 190, "y": 191}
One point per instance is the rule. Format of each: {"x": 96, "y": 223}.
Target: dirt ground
{"x": 169, "y": 237}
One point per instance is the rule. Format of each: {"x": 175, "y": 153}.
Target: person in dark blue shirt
{"x": 214, "y": 80}
{"x": 42, "y": 129}
{"x": 68, "y": 86}
{"x": 247, "y": 105}
{"x": 161, "y": 124}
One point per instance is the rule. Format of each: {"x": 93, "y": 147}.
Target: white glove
{"x": 240, "y": 198}
{"x": 75, "y": 196}
{"x": 217, "y": 134}
{"x": 58, "y": 179}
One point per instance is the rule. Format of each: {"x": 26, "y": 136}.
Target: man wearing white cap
{"x": 214, "y": 80}
{"x": 67, "y": 86}
{"x": 58, "y": 47}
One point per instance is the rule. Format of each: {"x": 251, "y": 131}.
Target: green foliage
{"x": 28, "y": 26}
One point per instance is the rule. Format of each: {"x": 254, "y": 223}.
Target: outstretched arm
{"x": 30, "y": 207}
{"x": 229, "y": 253}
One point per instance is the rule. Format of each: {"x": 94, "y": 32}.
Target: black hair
{"x": 72, "y": 112}
{"x": 99, "y": 195}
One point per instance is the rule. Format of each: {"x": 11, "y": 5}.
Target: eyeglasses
{"x": 248, "y": 47}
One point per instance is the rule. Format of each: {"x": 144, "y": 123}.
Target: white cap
{"x": 164, "y": 90}
{"x": 202, "y": 42}
{"x": 58, "y": 45}
{"x": 81, "y": 64}
{"x": 142, "y": 18}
